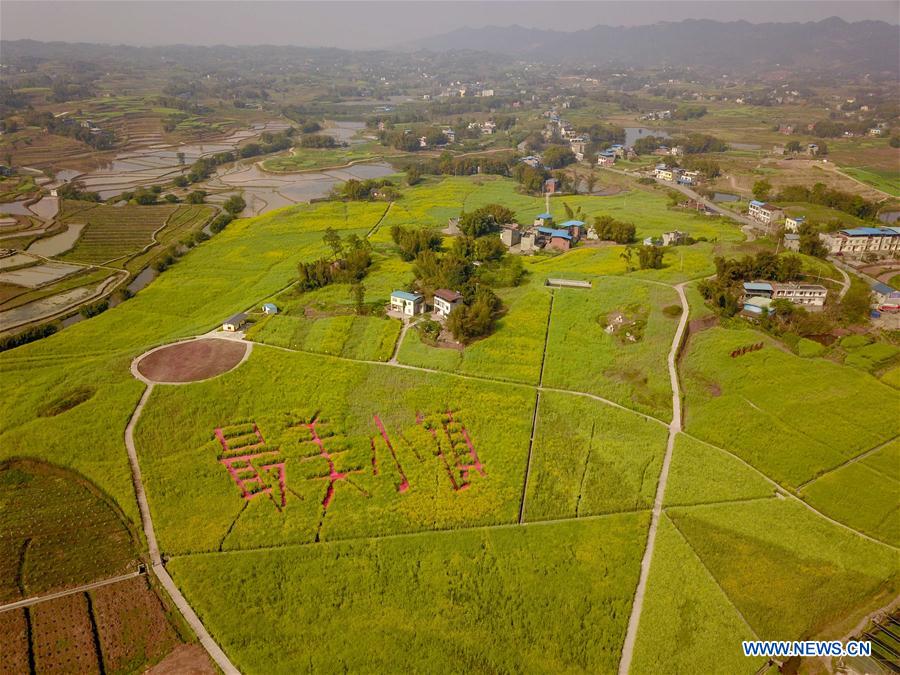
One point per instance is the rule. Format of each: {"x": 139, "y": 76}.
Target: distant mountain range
{"x": 831, "y": 44}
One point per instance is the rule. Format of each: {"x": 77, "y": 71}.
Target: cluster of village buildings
{"x": 854, "y": 242}
{"x": 674, "y": 174}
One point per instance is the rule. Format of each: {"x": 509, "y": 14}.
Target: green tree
{"x": 234, "y": 205}
{"x": 650, "y": 257}
{"x": 628, "y": 256}
{"x": 856, "y": 304}
{"x": 557, "y": 156}
{"x": 358, "y": 296}
{"x": 333, "y": 240}
{"x": 762, "y": 189}
{"x": 196, "y": 197}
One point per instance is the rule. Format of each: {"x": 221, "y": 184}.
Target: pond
{"x": 632, "y": 134}
{"x": 142, "y": 280}
{"x": 889, "y": 216}
{"x": 266, "y": 191}
{"x": 725, "y": 197}
{"x": 58, "y": 243}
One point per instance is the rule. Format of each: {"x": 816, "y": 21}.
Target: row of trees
{"x": 366, "y": 190}
{"x": 692, "y": 144}
{"x": 831, "y": 197}
{"x": 448, "y": 165}
{"x": 318, "y": 141}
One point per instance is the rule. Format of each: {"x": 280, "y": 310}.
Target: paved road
{"x": 674, "y": 427}
{"x": 28, "y": 602}
{"x": 215, "y": 652}
{"x": 748, "y": 225}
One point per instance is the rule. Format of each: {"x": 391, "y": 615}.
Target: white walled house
{"x": 793, "y": 223}
{"x": 445, "y": 301}
{"x": 407, "y": 304}
{"x": 764, "y": 213}
{"x": 858, "y": 240}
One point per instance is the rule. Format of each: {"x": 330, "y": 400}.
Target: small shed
{"x": 270, "y": 308}
{"x": 792, "y": 241}
{"x": 234, "y": 323}
{"x": 561, "y": 240}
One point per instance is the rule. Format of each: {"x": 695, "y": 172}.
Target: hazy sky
{"x": 373, "y": 24}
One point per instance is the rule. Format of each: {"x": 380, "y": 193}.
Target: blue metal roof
{"x": 798, "y": 219}
{"x": 546, "y": 230}
{"x": 561, "y": 234}
{"x": 270, "y": 305}
{"x": 572, "y": 223}
{"x": 545, "y": 216}
{"x": 756, "y": 202}
{"x": 404, "y": 295}
{"x": 884, "y": 289}
{"x": 757, "y": 286}
{"x": 872, "y": 231}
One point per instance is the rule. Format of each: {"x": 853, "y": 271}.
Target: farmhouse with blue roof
{"x": 856, "y": 241}
{"x": 407, "y": 304}
{"x": 886, "y": 298}
{"x": 764, "y": 213}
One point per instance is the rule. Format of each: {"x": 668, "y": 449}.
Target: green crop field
{"x": 434, "y": 202}
{"x": 495, "y": 600}
{"x": 854, "y": 494}
{"x": 591, "y": 458}
{"x": 775, "y": 409}
{"x": 513, "y": 352}
{"x": 612, "y": 340}
{"x": 305, "y": 159}
{"x": 697, "y": 630}
{"x": 823, "y": 573}
{"x": 701, "y": 474}
{"x": 116, "y": 232}
{"x": 58, "y": 531}
{"x": 882, "y": 179}
{"x": 379, "y": 417}
{"x": 354, "y": 337}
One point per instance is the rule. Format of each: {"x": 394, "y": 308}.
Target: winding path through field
{"x": 674, "y": 427}
{"x": 159, "y": 569}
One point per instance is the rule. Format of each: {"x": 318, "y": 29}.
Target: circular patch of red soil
{"x": 192, "y": 361}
